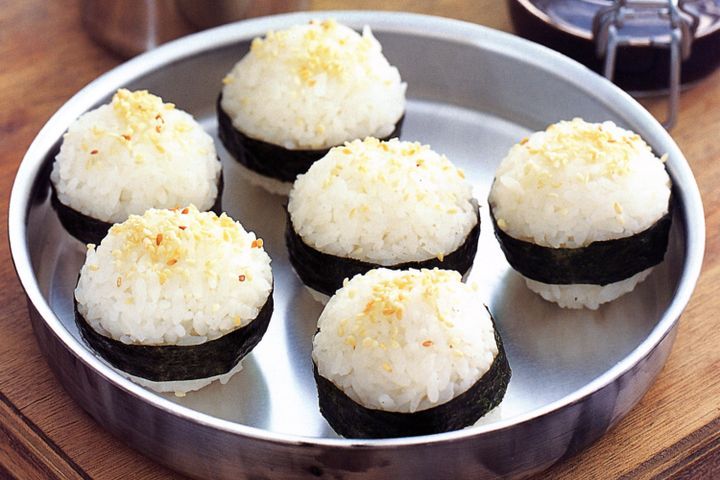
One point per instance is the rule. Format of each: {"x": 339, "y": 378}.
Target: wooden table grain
{"x": 45, "y": 57}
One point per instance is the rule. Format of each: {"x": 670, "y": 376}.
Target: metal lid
{"x": 647, "y": 44}
{"x": 576, "y": 16}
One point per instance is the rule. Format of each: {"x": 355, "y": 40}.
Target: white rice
{"x": 404, "y": 341}
{"x": 133, "y": 154}
{"x": 152, "y": 282}
{"x": 314, "y": 86}
{"x": 577, "y": 183}
{"x": 586, "y": 295}
{"x": 383, "y": 202}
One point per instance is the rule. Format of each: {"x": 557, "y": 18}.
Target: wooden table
{"x": 45, "y": 57}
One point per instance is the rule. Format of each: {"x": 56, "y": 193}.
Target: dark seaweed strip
{"x": 267, "y": 158}
{"x": 598, "y": 263}
{"x": 83, "y": 227}
{"x": 91, "y": 230}
{"x": 161, "y": 363}
{"x": 216, "y": 207}
{"x": 352, "y": 420}
{"x": 325, "y": 273}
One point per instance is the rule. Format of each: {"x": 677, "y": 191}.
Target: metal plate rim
{"x": 455, "y": 30}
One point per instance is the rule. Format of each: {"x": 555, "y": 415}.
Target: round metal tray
{"x": 473, "y": 92}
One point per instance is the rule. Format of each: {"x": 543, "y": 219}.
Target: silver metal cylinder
{"x": 130, "y": 27}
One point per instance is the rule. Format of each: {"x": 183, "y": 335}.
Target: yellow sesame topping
{"x": 387, "y": 304}
{"x": 141, "y": 120}
{"x": 161, "y": 236}
{"x": 139, "y": 108}
{"x": 618, "y": 208}
{"x": 502, "y": 223}
{"x": 315, "y": 49}
{"x": 580, "y": 143}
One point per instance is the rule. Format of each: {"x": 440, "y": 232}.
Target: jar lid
{"x": 642, "y": 45}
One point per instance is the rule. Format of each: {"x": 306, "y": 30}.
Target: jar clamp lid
{"x": 645, "y": 46}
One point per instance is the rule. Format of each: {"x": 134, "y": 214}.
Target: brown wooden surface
{"x": 45, "y": 57}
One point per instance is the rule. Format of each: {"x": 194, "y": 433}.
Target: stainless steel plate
{"x": 473, "y": 92}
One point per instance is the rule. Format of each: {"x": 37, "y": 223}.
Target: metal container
{"x": 129, "y": 27}
{"x": 645, "y": 46}
{"x": 473, "y": 92}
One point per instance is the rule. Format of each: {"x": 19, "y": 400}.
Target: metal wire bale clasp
{"x": 665, "y": 25}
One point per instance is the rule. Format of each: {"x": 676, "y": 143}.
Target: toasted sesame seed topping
{"x": 389, "y": 301}
{"x": 142, "y": 114}
{"x": 323, "y": 49}
{"x": 579, "y": 142}
{"x": 158, "y": 234}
